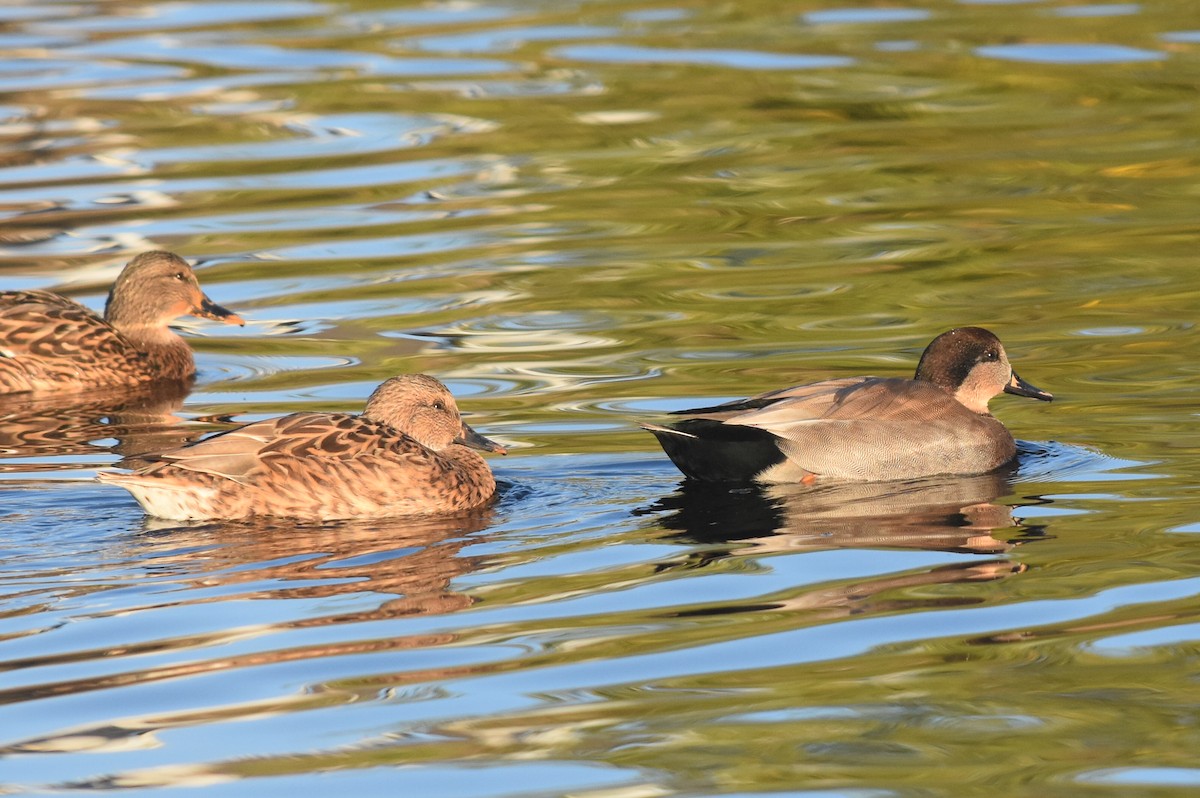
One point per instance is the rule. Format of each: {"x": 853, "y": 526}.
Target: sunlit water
{"x": 580, "y": 215}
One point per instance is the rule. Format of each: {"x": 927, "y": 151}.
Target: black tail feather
{"x": 714, "y": 452}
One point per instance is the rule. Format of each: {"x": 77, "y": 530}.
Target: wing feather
{"x": 311, "y": 440}
{"x": 44, "y": 336}
{"x": 859, "y": 400}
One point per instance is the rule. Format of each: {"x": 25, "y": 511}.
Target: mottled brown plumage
{"x": 406, "y": 455}
{"x": 861, "y": 428}
{"x": 51, "y": 343}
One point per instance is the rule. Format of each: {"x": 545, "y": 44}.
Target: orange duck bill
{"x": 211, "y": 310}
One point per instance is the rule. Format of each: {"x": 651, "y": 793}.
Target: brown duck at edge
{"x": 51, "y": 343}
{"x": 408, "y": 454}
{"x": 860, "y": 428}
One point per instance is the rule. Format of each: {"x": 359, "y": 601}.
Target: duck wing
{"x": 856, "y": 399}
{"x": 45, "y": 337}
{"x": 316, "y": 440}
{"x": 798, "y": 402}
{"x": 746, "y": 439}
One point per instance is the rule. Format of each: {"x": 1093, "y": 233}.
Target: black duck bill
{"x": 1018, "y": 387}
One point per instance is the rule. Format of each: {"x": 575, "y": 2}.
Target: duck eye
{"x": 179, "y": 276}
{"x": 439, "y": 405}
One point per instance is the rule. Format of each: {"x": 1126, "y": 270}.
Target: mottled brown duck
{"x": 408, "y": 454}
{"x": 51, "y": 343}
{"x": 860, "y": 428}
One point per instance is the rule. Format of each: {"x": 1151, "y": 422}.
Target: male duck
{"x": 51, "y": 343}
{"x": 406, "y": 455}
{"x": 861, "y": 428}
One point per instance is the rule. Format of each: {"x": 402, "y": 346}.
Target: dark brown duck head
{"x": 424, "y": 409}
{"x": 970, "y": 364}
{"x": 154, "y": 289}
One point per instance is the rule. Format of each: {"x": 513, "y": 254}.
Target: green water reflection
{"x": 581, "y": 215}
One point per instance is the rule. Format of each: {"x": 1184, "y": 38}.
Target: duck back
{"x": 49, "y": 342}
{"x": 310, "y": 466}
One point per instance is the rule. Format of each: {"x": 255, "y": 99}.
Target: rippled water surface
{"x": 580, "y": 215}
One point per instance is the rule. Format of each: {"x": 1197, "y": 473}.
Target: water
{"x": 580, "y": 215}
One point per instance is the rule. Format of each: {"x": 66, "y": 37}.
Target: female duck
{"x": 407, "y": 454}
{"x": 51, "y": 343}
{"x": 861, "y": 428}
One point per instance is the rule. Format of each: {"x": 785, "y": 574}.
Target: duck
{"x": 862, "y": 429}
{"x": 49, "y": 343}
{"x": 408, "y": 454}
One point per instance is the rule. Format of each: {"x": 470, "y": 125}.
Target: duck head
{"x": 970, "y": 364}
{"x": 157, "y": 287}
{"x": 424, "y": 409}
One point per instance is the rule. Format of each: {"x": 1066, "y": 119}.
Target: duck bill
{"x": 1018, "y": 387}
{"x": 473, "y": 439}
{"x": 211, "y": 310}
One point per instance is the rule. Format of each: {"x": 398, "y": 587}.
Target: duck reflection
{"x": 141, "y": 420}
{"x": 414, "y": 559}
{"x": 941, "y": 514}
{"x": 952, "y": 514}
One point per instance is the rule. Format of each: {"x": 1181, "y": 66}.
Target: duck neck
{"x": 966, "y": 392}
{"x": 973, "y": 398}
{"x": 169, "y": 355}
{"x": 948, "y": 382}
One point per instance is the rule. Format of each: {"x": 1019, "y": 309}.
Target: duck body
{"x": 51, "y": 343}
{"x": 409, "y": 454}
{"x": 860, "y": 428}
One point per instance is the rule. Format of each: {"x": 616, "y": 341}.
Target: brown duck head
{"x": 424, "y": 409}
{"x": 154, "y": 289}
{"x": 971, "y": 365}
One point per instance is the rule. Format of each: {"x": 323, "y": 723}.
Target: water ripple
{"x": 43, "y": 74}
{"x": 542, "y": 206}
{"x": 736, "y": 59}
{"x": 210, "y": 51}
{"x": 1069, "y": 53}
{"x": 855, "y": 16}
{"x": 504, "y": 40}
{"x": 165, "y": 16}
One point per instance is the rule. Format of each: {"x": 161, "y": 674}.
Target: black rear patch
{"x": 720, "y": 452}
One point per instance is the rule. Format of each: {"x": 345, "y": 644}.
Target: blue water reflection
{"x": 581, "y": 216}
